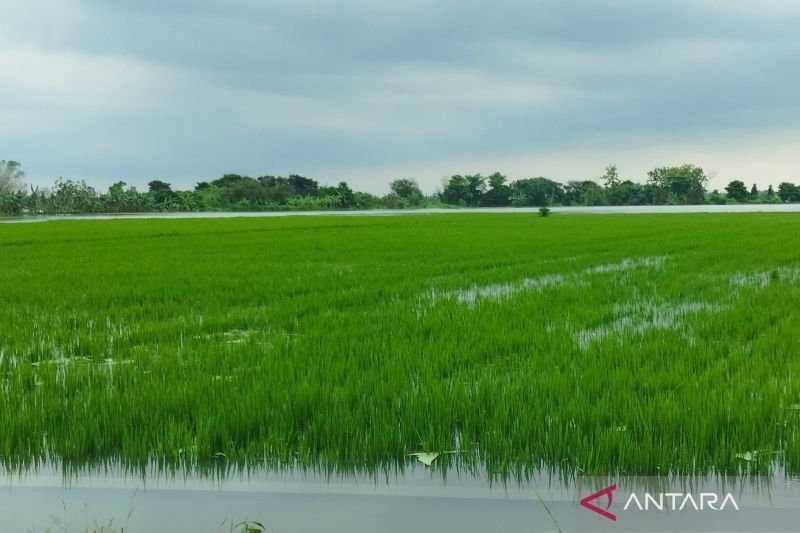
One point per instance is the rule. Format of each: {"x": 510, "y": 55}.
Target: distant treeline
{"x": 684, "y": 185}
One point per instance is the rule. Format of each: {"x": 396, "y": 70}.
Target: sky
{"x": 368, "y": 91}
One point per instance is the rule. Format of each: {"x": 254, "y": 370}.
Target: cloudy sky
{"x": 367, "y": 91}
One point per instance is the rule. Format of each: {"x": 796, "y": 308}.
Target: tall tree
{"x": 346, "y": 195}
{"x": 278, "y": 189}
{"x": 302, "y": 186}
{"x": 116, "y": 198}
{"x": 161, "y": 192}
{"x": 244, "y": 190}
{"x": 716, "y": 198}
{"x": 536, "y": 192}
{"x": 477, "y": 186}
{"x": 10, "y": 176}
{"x": 464, "y": 190}
{"x": 227, "y": 180}
{"x": 70, "y": 196}
{"x": 456, "y": 191}
{"x": 737, "y": 191}
{"x": 678, "y": 185}
{"x": 611, "y": 177}
{"x": 498, "y": 194}
{"x": 408, "y": 191}
{"x": 788, "y": 192}
{"x": 586, "y": 192}
{"x": 627, "y": 193}
{"x": 364, "y": 200}
{"x": 771, "y": 196}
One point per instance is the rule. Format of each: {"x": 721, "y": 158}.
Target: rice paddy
{"x": 637, "y": 344}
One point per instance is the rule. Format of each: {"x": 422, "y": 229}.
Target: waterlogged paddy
{"x": 507, "y": 343}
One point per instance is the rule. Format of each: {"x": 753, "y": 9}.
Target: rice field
{"x": 636, "y": 344}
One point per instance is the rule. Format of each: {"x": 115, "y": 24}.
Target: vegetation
{"x": 10, "y": 177}
{"x": 61, "y": 524}
{"x": 232, "y": 192}
{"x": 635, "y": 344}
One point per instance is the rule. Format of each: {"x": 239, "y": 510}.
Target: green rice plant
{"x": 636, "y": 344}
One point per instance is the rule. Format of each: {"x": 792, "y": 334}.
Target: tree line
{"x": 684, "y": 185}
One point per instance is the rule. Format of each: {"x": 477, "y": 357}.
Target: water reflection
{"x": 417, "y": 499}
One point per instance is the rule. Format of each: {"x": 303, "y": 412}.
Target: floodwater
{"x": 589, "y": 210}
{"x": 420, "y": 500}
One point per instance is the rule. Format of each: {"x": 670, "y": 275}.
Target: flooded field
{"x": 510, "y": 346}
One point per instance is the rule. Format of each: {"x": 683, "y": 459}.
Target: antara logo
{"x": 608, "y": 492}
{"x": 679, "y": 501}
{"x": 671, "y": 501}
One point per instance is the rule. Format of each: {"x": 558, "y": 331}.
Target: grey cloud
{"x": 204, "y": 87}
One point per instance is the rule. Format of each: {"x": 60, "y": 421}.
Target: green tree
{"x": 207, "y": 197}
{"x": 717, "y": 198}
{"x": 737, "y": 191}
{"x": 327, "y": 190}
{"x": 585, "y": 192}
{"x": 615, "y": 192}
{"x": 754, "y": 193}
{"x": 407, "y": 191}
{"x": 498, "y": 194}
{"x": 12, "y": 202}
{"x": 537, "y": 191}
{"x": 36, "y": 201}
{"x": 788, "y": 192}
{"x": 457, "y": 191}
{"x": 302, "y": 186}
{"x": 678, "y": 185}
{"x": 11, "y": 176}
{"x": 346, "y": 195}
{"x": 227, "y": 180}
{"x": 477, "y": 186}
{"x": 627, "y": 193}
{"x": 70, "y": 196}
{"x": 161, "y": 192}
{"x": 364, "y": 200}
{"x": 245, "y": 191}
{"x": 182, "y": 201}
{"x": 118, "y": 199}
{"x": 771, "y": 197}
{"x": 278, "y": 189}
{"x": 611, "y": 177}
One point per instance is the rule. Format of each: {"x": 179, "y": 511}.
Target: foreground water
{"x": 585, "y": 210}
{"x": 418, "y": 500}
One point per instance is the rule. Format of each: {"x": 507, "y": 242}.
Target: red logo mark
{"x": 608, "y": 492}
